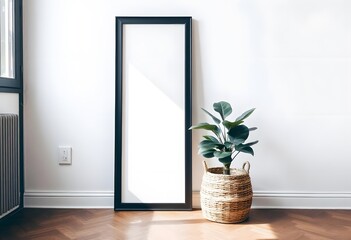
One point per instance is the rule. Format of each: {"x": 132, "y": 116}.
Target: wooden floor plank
{"x": 51, "y": 224}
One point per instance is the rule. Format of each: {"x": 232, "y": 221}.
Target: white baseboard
{"x": 302, "y": 200}
{"x": 55, "y": 199}
{"x": 105, "y": 199}
{"x": 294, "y": 200}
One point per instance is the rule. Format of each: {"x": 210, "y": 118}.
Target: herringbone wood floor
{"x": 106, "y": 224}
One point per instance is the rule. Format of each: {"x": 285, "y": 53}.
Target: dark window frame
{"x": 16, "y": 84}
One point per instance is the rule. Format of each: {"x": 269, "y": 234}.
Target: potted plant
{"x": 226, "y": 194}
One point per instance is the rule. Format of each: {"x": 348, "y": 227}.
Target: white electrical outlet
{"x": 65, "y": 155}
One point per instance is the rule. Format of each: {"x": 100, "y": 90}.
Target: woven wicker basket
{"x": 226, "y": 198}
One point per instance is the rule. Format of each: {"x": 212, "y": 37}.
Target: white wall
{"x": 291, "y": 59}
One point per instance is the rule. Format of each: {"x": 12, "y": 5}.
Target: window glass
{"x": 7, "y": 48}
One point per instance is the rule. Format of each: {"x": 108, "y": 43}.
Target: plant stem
{"x": 235, "y": 154}
{"x": 226, "y": 169}
{"x": 219, "y": 137}
{"x": 224, "y": 136}
{"x": 221, "y": 134}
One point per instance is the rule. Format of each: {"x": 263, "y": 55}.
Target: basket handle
{"x": 205, "y": 166}
{"x": 246, "y": 167}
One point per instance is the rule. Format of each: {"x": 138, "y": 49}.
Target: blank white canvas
{"x": 153, "y": 165}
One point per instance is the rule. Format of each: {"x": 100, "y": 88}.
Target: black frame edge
{"x": 187, "y": 21}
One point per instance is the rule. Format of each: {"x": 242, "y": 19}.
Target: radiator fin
{"x": 9, "y": 164}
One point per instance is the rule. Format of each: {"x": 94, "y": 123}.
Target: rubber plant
{"x": 229, "y": 137}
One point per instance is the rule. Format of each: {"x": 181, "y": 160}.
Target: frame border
{"x": 120, "y": 21}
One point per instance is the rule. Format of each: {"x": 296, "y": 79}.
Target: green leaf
{"x": 238, "y": 134}
{"x": 213, "y": 139}
{"x": 230, "y": 125}
{"x": 208, "y": 144}
{"x": 228, "y": 145}
{"x": 247, "y": 150}
{"x": 241, "y": 146}
{"x": 207, "y": 126}
{"x": 223, "y": 108}
{"x": 207, "y": 153}
{"x": 226, "y": 160}
{"x": 213, "y": 117}
{"x": 222, "y": 154}
{"x": 245, "y": 115}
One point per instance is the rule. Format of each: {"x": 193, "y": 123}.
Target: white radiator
{"x": 9, "y": 164}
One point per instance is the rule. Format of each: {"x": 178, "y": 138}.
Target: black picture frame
{"x": 119, "y": 141}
